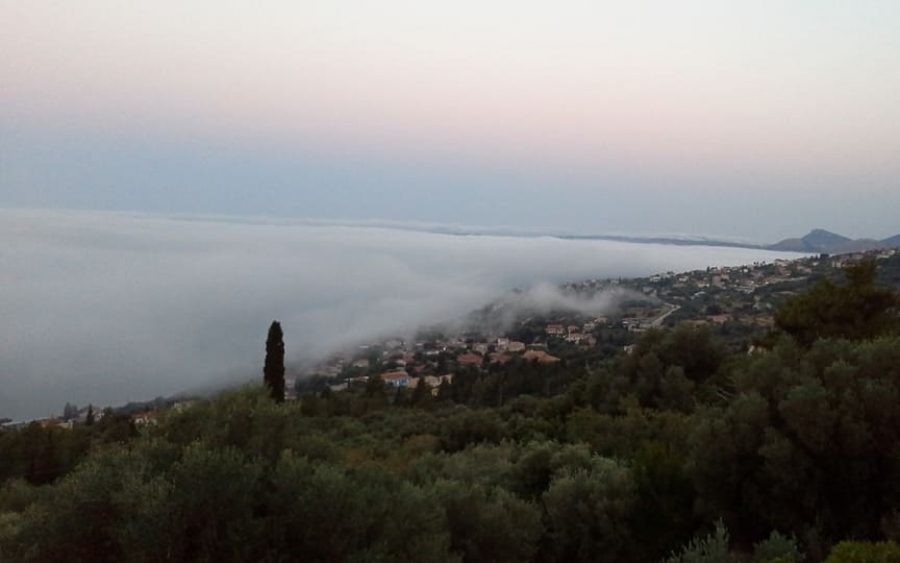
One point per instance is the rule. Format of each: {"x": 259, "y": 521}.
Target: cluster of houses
{"x": 412, "y": 364}
{"x": 749, "y": 278}
{"x": 80, "y": 417}
{"x": 576, "y": 334}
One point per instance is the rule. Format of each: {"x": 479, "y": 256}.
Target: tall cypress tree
{"x": 273, "y": 371}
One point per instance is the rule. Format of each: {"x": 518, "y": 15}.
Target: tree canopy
{"x": 857, "y": 309}
{"x": 273, "y": 370}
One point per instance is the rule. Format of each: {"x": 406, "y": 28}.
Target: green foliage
{"x": 663, "y": 515}
{"x": 78, "y": 522}
{"x": 585, "y": 512}
{"x": 470, "y": 427}
{"x": 667, "y": 369}
{"x": 777, "y": 549}
{"x": 245, "y": 419}
{"x": 16, "y": 495}
{"x": 326, "y": 513}
{"x": 864, "y": 552}
{"x": 114, "y": 427}
{"x": 619, "y": 436}
{"x": 421, "y": 396}
{"x": 855, "y": 310}
{"x": 809, "y": 439}
{"x": 710, "y": 549}
{"x": 210, "y": 508}
{"x": 482, "y": 465}
{"x": 489, "y": 524}
{"x": 41, "y": 455}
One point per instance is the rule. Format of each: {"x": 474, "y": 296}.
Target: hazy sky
{"x": 105, "y": 308}
{"x": 756, "y": 119}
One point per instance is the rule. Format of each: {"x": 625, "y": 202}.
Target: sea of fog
{"x": 104, "y": 308}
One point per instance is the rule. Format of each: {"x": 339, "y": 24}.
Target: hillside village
{"x": 737, "y": 303}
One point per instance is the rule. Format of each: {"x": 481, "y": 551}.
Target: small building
{"x": 432, "y": 380}
{"x": 515, "y": 346}
{"x": 539, "y": 356}
{"x": 396, "y": 378}
{"x": 146, "y": 418}
{"x": 470, "y": 360}
{"x": 555, "y": 330}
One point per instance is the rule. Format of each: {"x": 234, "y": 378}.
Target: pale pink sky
{"x": 700, "y": 91}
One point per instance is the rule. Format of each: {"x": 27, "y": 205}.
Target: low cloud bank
{"x": 106, "y": 308}
{"x": 544, "y": 297}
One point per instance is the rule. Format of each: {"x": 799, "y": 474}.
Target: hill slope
{"x": 820, "y": 240}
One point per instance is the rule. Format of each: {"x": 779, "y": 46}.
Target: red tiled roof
{"x": 470, "y": 359}
{"x": 394, "y": 375}
{"x": 499, "y": 358}
{"x": 540, "y": 356}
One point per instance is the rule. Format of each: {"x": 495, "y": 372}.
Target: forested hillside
{"x": 680, "y": 450}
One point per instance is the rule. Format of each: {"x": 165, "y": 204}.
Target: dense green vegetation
{"x": 682, "y": 450}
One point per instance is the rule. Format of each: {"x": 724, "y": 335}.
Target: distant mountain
{"x": 815, "y": 242}
{"x": 791, "y": 245}
{"x": 680, "y": 241}
{"x": 893, "y": 241}
{"x": 820, "y": 238}
{"x": 822, "y": 241}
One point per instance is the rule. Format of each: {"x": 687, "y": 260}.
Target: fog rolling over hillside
{"x": 106, "y": 308}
